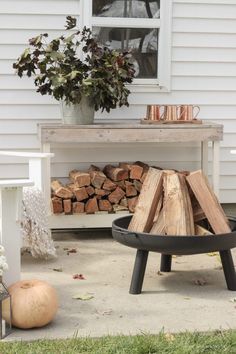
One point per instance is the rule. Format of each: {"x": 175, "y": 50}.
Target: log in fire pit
{"x": 174, "y": 245}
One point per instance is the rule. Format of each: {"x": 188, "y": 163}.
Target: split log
{"x": 97, "y": 178}
{"x": 142, "y": 179}
{"x": 121, "y": 184}
{"x": 116, "y": 195}
{"x": 67, "y": 206}
{"x": 61, "y": 191}
{"x": 178, "y": 217}
{"x": 57, "y": 207}
{"x": 136, "y": 172}
{"x": 158, "y": 227}
{"x": 81, "y": 194}
{"x": 109, "y": 185}
{"x": 104, "y": 205}
{"x": 132, "y": 203}
{"x": 118, "y": 207}
{"x": 124, "y": 202}
{"x": 115, "y": 173}
{"x": 149, "y": 197}
{"x": 137, "y": 185}
{"x": 201, "y": 231}
{"x": 91, "y": 206}
{"x": 90, "y": 190}
{"x": 81, "y": 179}
{"x": 124, "y": 165}
{"x": 93, "y": 168}
{"x": 143, "y": 165}
{"x": 101, "y": 192}
{"x": 78, "y": 208}
{"x": 208, "y": 202}
{"x": 130, "y": 191}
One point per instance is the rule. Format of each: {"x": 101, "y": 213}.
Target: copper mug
{"x": 187, "y": 112}
{"x": 153, "y": 112}
{"x": 171, "y": 112}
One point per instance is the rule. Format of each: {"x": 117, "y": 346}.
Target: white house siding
{"x": 203, "y": 73}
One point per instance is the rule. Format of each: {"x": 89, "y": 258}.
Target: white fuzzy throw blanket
{"x": 34, "y": 224}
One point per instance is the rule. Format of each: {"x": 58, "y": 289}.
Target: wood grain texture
{"x": 149, "y": 197}
{"x": 208, "y": 202}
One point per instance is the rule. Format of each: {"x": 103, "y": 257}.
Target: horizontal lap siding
{"x": 203, "y": 73}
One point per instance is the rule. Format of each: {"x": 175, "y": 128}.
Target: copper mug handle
{"x": 195, "y": 116}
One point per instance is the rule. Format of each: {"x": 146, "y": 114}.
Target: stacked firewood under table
{"x": 112, "y": 189}
{"x": 172, "y": 203}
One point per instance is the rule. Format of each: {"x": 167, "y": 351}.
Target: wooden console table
{"x": 52, "y": 135}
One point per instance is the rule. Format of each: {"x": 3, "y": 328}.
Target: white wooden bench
{"x": 10, "y": 209}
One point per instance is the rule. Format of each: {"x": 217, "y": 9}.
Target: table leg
{"x": 215, "y": 166}
{"x": 204, "y": 157}
{"x": 46, "y": 177}
{"x": 138, "y": 272}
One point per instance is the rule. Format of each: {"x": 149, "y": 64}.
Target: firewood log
{"x": 91, "y": 206}
{"x": 130, "y": 191}
{"x": 208, "y": 202}
{"x": 57, "y": 207}
{"x": 81, "y": 194}
{"x": 201, "y": 231}
{"x": 67, "y": 206}
{"x": 90, "y": 190}
{"x": 136, "y": 172}
{"x": 78, "y": 207}
{"x": 109, "y": 185}
{"x": 116, "y": 195}
{"x": 115, "y": 173}
{"x": 81, "y": 179}
{"x": 97, "y": 178}
{"x": 61, "y": 191}
{"x": 149, "y": 197}
{"x": 132, "y": 203}
{"x": 104, "y": 205}
{"x": 137, "y": 185}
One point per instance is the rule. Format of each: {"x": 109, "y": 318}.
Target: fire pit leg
{"x": 138, "y": 272}
{"x": 166, "y": 263}
{"x": 228, "y": 267}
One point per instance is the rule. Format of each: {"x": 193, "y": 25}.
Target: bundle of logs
{"x": 172, "y": 203}
{"x": 113, "y": 189}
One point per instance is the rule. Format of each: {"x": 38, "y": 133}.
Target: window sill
{"x": 147, "y": 88}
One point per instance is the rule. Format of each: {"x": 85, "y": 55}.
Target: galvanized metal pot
{"x": 81, "y": 113}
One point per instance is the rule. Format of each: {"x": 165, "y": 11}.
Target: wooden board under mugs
{"x": 160, "y": 122}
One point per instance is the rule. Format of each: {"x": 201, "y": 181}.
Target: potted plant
{"x": 97, "y": 81}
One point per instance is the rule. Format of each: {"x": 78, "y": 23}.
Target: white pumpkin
{"x": 34, "y": 303}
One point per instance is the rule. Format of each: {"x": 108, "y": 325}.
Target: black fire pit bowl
{"x": 175, "y": 245}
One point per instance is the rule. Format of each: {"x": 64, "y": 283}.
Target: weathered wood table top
{"x": 128, "y": 133}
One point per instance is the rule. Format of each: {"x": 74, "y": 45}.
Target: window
{"x": 143, "y": 27}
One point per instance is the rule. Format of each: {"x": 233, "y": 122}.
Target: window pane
{"x": 127, "y": 8}
{"x": 142, "y": 42}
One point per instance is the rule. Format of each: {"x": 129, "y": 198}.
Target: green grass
{"x": 185, "y": 343}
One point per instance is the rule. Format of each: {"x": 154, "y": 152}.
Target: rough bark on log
{"x": 132, "y": 203}
{"x": 142, "y": 220}
{"x": 81, "y": 179}
{"x": 61, "y": 191}
{"x": 67, "y": 206}
{"x": 208, "y": 202}
{"x": 104, "y": 205}
{"x": 109, "y": 185}
{"x": 57, "y": 207}
{"x": 130, "y": 191}
{"x": 143, "y": 165}
{"x": 90, "y": 190}
{"x": 93, "y": 168}
{"x": 116, "y": 195}
{"x": 81, "y": 194}
{"x": 137, "y": 185}
{"x": 91, "y": 206}
{"x": 97, "y": 178}
{"x": 78, "y": 207}
{"x": 115, "y": 173}
{"x": 136, "y": 172}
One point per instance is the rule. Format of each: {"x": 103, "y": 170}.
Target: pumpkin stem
{"x": 26, "y": 286}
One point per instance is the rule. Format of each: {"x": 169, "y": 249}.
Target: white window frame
{"x": 164, "y": 24}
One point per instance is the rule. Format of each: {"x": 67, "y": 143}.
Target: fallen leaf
{"x": 57, "y": 269}
{"x": 187, "y": 298}
{"x": 65, "y": 248}
{"x": 212, "y": 254}
{"x": 72, "y": 250}
{"x": 159, "y": 272}
{"x": 83, "y": 297}
{"x": 78, "y": 276}
{"x": 200, "y": 282}
{"x": 233, "y": 299}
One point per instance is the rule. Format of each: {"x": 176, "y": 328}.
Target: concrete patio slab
{"x": 171, "y": 302}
